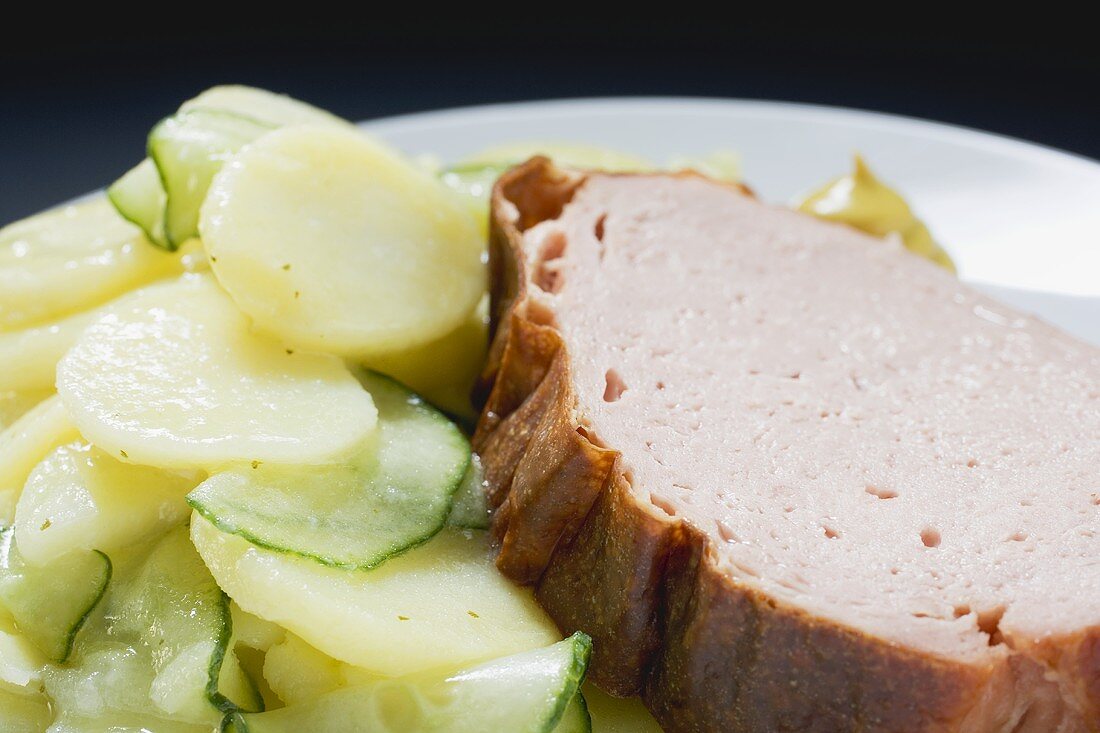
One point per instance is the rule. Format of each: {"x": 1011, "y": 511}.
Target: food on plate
{"x": 861, "y": 200}
{"x": 156, "y": 649}
{"x": 237, "y": 487}
{"x": 867, "y": 504}
{"x": 475, "y": 174}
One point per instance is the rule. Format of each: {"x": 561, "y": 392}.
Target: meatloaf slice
{"x": 791, "y": 478}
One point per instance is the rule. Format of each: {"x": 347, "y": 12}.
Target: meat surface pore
{"x": 789, "y": 476}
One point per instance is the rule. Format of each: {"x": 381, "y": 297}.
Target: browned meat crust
{"x": 706, "y": 653}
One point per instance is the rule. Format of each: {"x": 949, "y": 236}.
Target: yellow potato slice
{"x": 14, "y": 403}
{"x": 441, "y": 605}
{"x": 334, "y": 242}
{"x": 72, "y": 258}
{"x": 262, "y": 105}
{"x": 443, "y": 371}
{"x": 30, "y": 355}
{"x": 80, "y": 498}
{"x": 172, "y": 376}
{"x": 24, "y": 444}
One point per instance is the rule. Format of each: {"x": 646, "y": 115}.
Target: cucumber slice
{"x": 173, "y": 608}
{"x": 50, "y": 603}
{"x": 80, "y": 498}
{"x": 471, "y": 504}
{"x": 156, "y": 652}
{"x": 23, "y": 712}
{"x": 188, "y": 149}
{"x": 139, "y": 197}
{"x": 524, "y": 693}
{"x": 442, "y": 605}
{"x": 174, "y": 376}
{"x": 473, "y": 179}
{"x": 334, "y": 242}
{"x": 395, "y": 495}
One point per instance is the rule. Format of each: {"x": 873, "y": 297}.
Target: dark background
{"x": 78, "y": 94}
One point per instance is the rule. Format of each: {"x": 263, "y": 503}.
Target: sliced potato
{"x": 618, "y": 715}
{"x": 297, "y": 672}
{"x": 79, "y": 498}
{"x": 69, "y": 259}
{"x": 23, "y": 712}
{"x": 171, "y": 376}
{"x": 332, "y": 241}
{"x": 442, "y": 605}
{"x": 15, "y": 403}
{"x": 30, "y": 355}
{"x": 26, "y": 443}
{"x": 443, "y": 371}
{"x": 262, "y": 105}
{"x": 21, "y": 663}
{"x": 254, "y": 632}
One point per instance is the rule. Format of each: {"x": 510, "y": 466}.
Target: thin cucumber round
{"x": 530, "y": 692}
{"x": 50, "y": 603}
{"x": 139, "y": 198}
{"x": 188, "y": 149}
{"x": 396, "y": 494}
{"x": 174, "y": 609}
{"x": 156, "y": 650}
{"x": 471, "y": 504}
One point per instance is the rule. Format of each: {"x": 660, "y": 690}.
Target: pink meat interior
{"x": 857, "y": 433}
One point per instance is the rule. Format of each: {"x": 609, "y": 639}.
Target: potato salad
{"x": 236, "y": 490}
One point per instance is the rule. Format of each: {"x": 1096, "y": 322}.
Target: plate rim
{"x": 743, "y": 106}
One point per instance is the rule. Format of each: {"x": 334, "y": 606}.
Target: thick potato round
{"x": 441, "y": 605}
{"x": 72, "y": 258}
{"x": 171, "y": 376}
{"x": 332, "y": 241}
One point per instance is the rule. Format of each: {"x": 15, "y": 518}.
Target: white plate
{"x": 1021, "y": 221}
